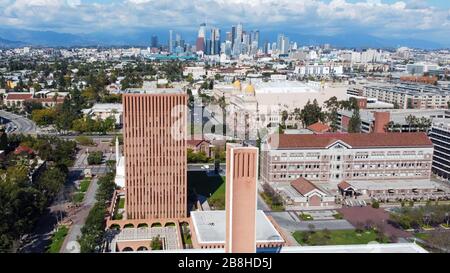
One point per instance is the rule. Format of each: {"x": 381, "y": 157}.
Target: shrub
{"x": 95, "y": 158}
{"x": 375, "y": 204}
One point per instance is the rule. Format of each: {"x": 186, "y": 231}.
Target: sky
{"x": 415, "y": 19}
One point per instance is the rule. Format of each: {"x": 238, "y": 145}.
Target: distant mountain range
{"x": 8, "y": 43}
{"x": 10, "y": 37}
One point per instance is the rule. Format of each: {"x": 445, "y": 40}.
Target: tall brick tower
{"x": 155, "y": 155}
{"x": 241, "y": 192}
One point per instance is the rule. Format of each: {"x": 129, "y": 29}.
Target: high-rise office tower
{"x": 215, "y": 41}
{"x": 154, "y": 42}
{"x": 228, "y": 36}
{"x": 177, "y": 39}
{"x": 283, "y": 44}
{"x": 170, "y": 41}
{"x": 201, "y": 38}
{"x": 233, "y": 36}
{"x": 241, "y": 191}
{"x": 208, "y": 47}
{"x": 155, "y": 155}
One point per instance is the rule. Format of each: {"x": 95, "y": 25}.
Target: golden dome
{"x": 237, "y": 84}
{"x": 250, "y": 89}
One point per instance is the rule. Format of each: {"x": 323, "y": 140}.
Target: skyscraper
{"x": 241, "y": 191}
{"x": 155, "y": 155}
{"x": 233, "y": 36}
{"x": 215, "y": 41}
{"x": 154, "y": 42}
{"x": 201, "y": 38}
{"x": 170, "y": 41}
{"x": 283, "y": 44}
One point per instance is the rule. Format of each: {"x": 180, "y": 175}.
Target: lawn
{"x": 422, "y": 236}
{"x": 84, "y": 185}
{"x": 58, "y": 239}
{"x": 121, "y": 203}
{"x": 78, "y": 197}
{"x": 211, "y": 187}
{"x": 337, "y": 237}
{"x": 217, "y": 199}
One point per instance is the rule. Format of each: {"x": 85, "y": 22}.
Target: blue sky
{"x": 418, "y": 19}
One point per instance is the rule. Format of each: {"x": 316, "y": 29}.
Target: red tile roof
{"x": 23, "y": 149}
{"x": 319, "y": 127}
{"x": 58, "y": 100}
{"x": 303, "y": 186}
{"x": 355, "y": 140}
{"x": 24, "y": 96}
{"x": 344, "y": 185}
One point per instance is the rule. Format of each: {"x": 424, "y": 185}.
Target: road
{"x": 23, "y": 125}
{"x": 70, "y": 244}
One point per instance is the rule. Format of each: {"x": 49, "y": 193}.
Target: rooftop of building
{"x": 442, "y": 123}
{"x": 393, "y": 184}
{"x": 413, "y": 89}
{"x": 399, "y": 115}
{"x": 304, "y": 186}
{"x": 210, "y": 227}
{"x": 354, "y": 140}
{"x": 19, "y": 96}
{"x": 367, "y": 248}
{"x": 319, "y": 127}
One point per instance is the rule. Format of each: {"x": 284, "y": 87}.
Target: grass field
{"x": 121, "y": 203}
{"x": 84, "y": 185}
{"x": 422, "y": 236}
{"x": 78, "y": 197}
{"x": 58, "y": 239}
{"x": 217, "y": 199}
{"x": 337, "y": 237}
{"x": 211, "y": 187}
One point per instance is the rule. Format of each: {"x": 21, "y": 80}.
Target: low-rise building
{"x": 16, "y": 99}
{"x": 331, "y": 158}
{"x": 105, "y": 110}
{"x": 392, "y": 120}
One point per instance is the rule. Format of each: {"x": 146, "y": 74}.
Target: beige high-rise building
{"x": 155, "y": 155}
{"x": 241, "y": 191}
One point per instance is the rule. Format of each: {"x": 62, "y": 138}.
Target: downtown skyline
{"x": 110, "y": 22}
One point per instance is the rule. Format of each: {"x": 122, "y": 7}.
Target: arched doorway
{"x": 156, "y": 225}
{"x": 115, "y": 227}
{"x": 142, "y": 248}
{"x": 142, "y": 225}
{"x": 127, "y": 249}
{"x": 128, "y": 226}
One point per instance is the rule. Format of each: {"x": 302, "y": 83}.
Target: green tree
{"x": 44, "y": 117}
{"x": 3, "y": 140}
{"x": 354, "y": 124}
{"x": 156, "y": 243}
{"x": 311, "y": 113}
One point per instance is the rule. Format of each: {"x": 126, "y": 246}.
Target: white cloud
{"x": 83, "y": 16}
